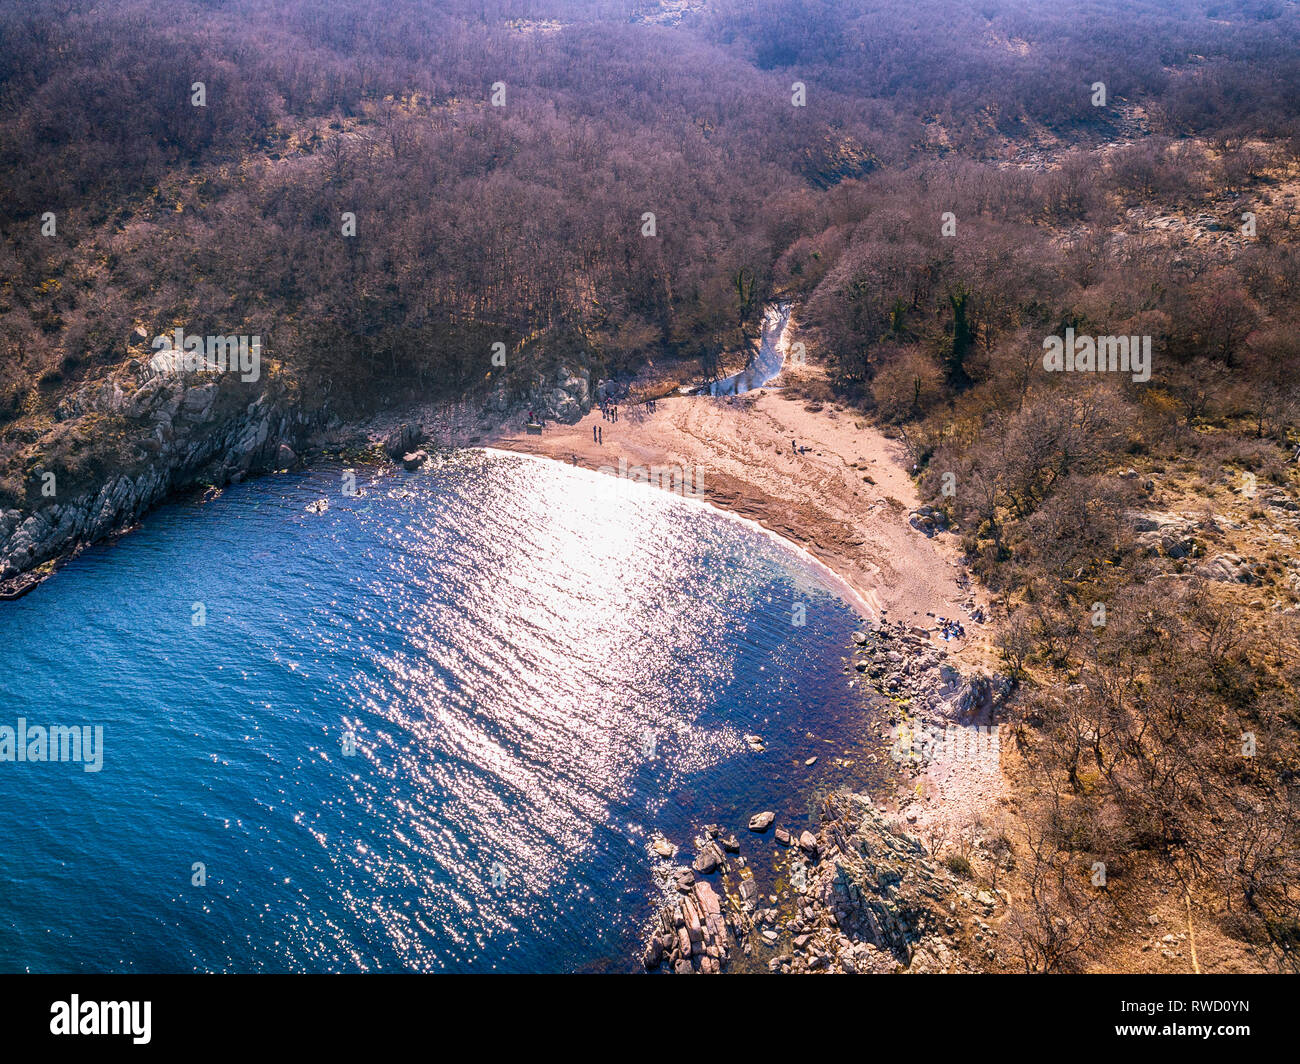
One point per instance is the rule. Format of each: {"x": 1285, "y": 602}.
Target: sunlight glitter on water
{"x": 538, "y": 668}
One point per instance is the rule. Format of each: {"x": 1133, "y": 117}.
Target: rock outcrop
{"x": 122, "y": 444}
{"x": 1230, "y": 568}
{"x": 860, "y": 895}
{"x": 120, "y": 447}
{"x": 563, "y": 396}
{"x": 692, "y": 936}
{"x": 403, "y": 440}
{"x": 900, "y": 662}
{"x": 876, "y": 901}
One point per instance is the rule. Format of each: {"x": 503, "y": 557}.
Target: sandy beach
{"x": 845, "y": 499}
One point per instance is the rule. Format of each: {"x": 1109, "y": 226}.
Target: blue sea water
{"x": 433, "y": 726}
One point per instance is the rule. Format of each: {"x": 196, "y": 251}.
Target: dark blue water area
{"x": 434, "y": 725}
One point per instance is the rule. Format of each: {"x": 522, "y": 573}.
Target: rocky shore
{"x": 862, "y": 893}
{"x": 120, "y": 446}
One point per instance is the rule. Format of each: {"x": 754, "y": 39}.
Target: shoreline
{"x": 845, "y": 502}
{"x": 832, "y": 580}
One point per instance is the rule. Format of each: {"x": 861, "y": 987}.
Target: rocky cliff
{"x": 119, "y": 446}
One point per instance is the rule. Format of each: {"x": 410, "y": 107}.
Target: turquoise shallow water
{"x": 432, "y": 727}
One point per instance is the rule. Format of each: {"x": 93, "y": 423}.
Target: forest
{"x": 949, "y": 193}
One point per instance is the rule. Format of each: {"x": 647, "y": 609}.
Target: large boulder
{"x": 569, "y": 398}
{"x": 1157, "y": 521}
{"x": 564, "y": 407}
{"x": 402, "y": 440}
{"x": 708, "y": 860}
{"x": 1230, "y": 568}
{"x": 1170, "y": 533}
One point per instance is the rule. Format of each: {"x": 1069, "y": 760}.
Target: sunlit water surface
{"x": 541, "y": 667}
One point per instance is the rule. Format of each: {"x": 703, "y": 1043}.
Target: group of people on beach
{"x": 609, "y": 412}
{"x": 950, "y": 629}
{"x": 609, "y": 408}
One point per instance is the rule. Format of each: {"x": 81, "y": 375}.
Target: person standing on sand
{"x": 793, "y": 448}
{"x": 593, "y": 434}
{"x": 600, "y": 437}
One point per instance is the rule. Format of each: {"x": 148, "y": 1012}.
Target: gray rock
{"x": 402, "y": 440}
{"x": 1229, "y": 568}
{"x": 708, "y": 859}
{"x": 187, "y": 430}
